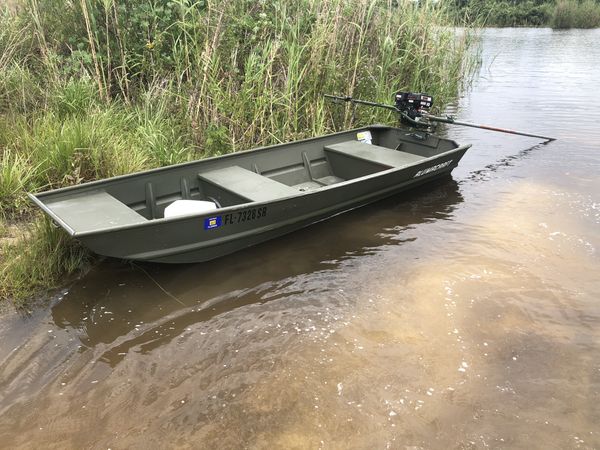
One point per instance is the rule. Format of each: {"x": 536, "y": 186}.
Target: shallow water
{"x": 462, "y": 315}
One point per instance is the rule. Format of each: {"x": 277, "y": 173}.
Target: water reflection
{"x": 157, "y": 303}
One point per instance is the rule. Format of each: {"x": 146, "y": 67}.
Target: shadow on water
{"x": 144, "y": 306}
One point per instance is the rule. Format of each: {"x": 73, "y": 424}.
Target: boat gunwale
{"x": 196, "y": 161}
{"x": 232, "y": 208}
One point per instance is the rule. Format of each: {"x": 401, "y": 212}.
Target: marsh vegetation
{"x": 558, "y": 14}
{"x": 92, "y": 89}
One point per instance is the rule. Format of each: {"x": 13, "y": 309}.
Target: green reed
{"x": 40, "y": 257}
{"x": 576, "y": 14}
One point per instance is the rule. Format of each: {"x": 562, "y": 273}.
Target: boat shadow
{"x": 123, "y": 305}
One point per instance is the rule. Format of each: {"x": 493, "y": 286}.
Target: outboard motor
{"x": 412, "y": 104}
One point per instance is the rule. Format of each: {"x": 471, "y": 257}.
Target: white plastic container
{"x": 188, "y": 208}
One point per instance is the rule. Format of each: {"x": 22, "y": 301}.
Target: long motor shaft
{"x": 362, "y": 102}
{"x": 451, "y": 120}
{"x": 432, "y": 118}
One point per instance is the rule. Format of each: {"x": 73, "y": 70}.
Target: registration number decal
{"x": 235, "y": 218}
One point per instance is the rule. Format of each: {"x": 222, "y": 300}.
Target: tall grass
{"x": 506, "y": 13}
{"x": 67, "y": 145}
{"x": 576, "y": 14}
{"x": 242, "y": 73}
{"x": 96, "y": 88}
{"x": 526, "y": 13}
{"x": 16, "y": 177}
{"x": 37, "y": 260}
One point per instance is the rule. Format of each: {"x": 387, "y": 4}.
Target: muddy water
{"x": 463, "y": 315}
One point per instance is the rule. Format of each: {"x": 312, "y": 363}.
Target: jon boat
{"x": 205, "y": 209}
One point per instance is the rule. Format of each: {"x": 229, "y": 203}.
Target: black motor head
{"x": 412, "y": 103}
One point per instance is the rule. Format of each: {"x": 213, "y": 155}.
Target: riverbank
{"x": 95, "y": 89}
{"x": 559, "y": 14}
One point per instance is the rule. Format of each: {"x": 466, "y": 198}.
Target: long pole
{"x": 362, "y": 102}
{"x": 433, "y": 118}
{"x": 451, "y": 120}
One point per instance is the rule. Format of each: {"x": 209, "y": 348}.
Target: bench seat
{"x": 94, "y": 210}
{"x": 247, "y": 184}
{"x": 374, "y": 153}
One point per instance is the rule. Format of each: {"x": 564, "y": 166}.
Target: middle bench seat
{"x": 247, "y": 184}
{"x": 374, "y": 153}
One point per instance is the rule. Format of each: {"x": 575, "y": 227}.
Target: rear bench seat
{"x": 375, "y": 153}
{"x": 247, "y": 184}
{"x": 92, "y": 211}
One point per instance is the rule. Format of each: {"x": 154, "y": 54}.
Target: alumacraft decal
{"x": 432, "y": 168}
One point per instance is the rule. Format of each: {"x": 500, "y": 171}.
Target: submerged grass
{"x": 93, "y": 89}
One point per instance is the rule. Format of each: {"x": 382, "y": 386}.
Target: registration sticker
{"x": 212, "y": 222}
{"x": 364, "y": 137}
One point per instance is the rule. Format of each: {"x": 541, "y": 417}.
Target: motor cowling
{"x": 412, "y": 104}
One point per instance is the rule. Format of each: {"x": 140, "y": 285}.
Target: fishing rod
{"x": 412, "y": 109}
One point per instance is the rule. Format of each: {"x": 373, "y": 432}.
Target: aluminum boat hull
{"x": 261, "y": 194}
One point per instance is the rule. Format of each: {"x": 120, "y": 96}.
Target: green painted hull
{"x": 262, "y": 194}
